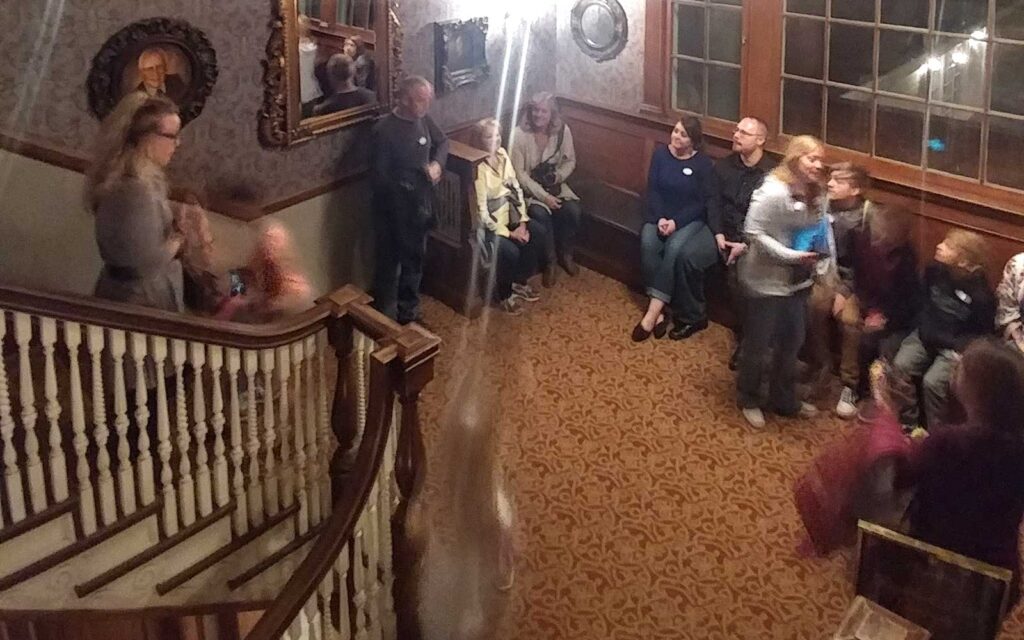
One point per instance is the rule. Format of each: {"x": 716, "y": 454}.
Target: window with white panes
{"x": 706, "y": 51}
{"x": 935, "y": 84}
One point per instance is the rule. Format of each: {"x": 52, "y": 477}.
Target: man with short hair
{"x": 341, "y": 71}
{"x": 154, "y": 77}
{"x": 409, "y": 153}
{"x": 739, "y": 175}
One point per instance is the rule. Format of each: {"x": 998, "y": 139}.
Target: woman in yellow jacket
{"x": 514, "y": 244}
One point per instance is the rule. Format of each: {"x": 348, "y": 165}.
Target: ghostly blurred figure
{"x": 466, "y": 566}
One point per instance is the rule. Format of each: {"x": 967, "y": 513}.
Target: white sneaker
{"x": 807, "y": 410}
{"x": 526, "y": 292}
{"x": 846, "y": 408}
{"x": 512, "y": 305}
{"x": 754, "y": 417}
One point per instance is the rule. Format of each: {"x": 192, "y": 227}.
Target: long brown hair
{"x": 990, "y": 385}
{"x": 119, "y": 152}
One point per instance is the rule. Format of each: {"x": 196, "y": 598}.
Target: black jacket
{"x": 736, "y": 184}
{"x": 957, "y": 309}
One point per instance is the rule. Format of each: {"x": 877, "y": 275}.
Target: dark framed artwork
{"x": 460, "y": 53}
{"x": 160, "y": 56}
{"x": 954, "y": 597}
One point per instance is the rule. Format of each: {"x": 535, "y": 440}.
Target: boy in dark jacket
{"x": 959, "y": 306}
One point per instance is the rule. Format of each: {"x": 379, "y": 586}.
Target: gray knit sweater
{"x": 772, "y": 267}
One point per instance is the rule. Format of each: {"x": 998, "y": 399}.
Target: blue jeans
{"x": 699, "y": 253}
{"x": 658, "y": 256}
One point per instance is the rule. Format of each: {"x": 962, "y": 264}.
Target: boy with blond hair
{"x": 959, "y": 307}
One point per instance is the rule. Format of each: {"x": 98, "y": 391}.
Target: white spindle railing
{"x": 116, "y": 420}
{"x": 195, "y": 426}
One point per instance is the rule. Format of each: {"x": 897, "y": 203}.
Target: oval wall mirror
{"x": 599, "y": 28}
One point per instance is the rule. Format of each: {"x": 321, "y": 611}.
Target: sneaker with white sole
{"x": 512, "y": 305}
{"x": 525, "y": 291}
{"x": 846, "y": 408}
{"x": 807, "y": 410}
{"x": 754, "y": 417}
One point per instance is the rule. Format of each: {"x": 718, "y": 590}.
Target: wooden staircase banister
{"x": 347, "y": 508}
{"x": 116, "y": 315}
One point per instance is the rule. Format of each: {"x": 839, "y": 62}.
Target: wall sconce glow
{"x": 979, "y": 34}
{"x": 960, "y": 57}
{"x": 935, "y": 64}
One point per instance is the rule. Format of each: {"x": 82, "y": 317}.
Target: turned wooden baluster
{"x": 359, "y": 596}
{"x": 300, "y": 440}
{"x": 372, "y": 553}
{"x": 240, "y": 519}
{"x": 163, "y": 435}
{"x": 312, "y": 451}
{"x": 251, "y": 360}
{"x": 105, "y": 482}
{"x": 271, "y": 501}
{"x": 80, "y": 441}
{"x": 325, "y": 590}
{"x": 186, "y": 484}
{"x": 221, "y": 488}
{"x": 327, "y": 443}
{"x": 12, "y": 470}
{"x": 384, "y": 536}
{"x": 287, "y": 474}
{"x": 58, "y": 465}
{"x": 341, "y": 568}
{"x": 29, "y": 416}
{"x": 144, "y": 465}
{"x": 341, "y": 337}
{"x": 125, "y": 472}
{"x": 204, "y": 486}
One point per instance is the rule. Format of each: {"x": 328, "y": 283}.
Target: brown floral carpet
{"x": 646, "y": 507}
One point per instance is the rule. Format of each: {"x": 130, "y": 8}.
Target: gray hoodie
{"x": 772, "y": 267}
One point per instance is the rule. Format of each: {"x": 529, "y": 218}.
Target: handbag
{"x": 545, "y": 173}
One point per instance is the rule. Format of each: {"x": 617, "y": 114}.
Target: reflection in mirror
{"x": 330, "y": 64}
{"x": 598, "y": 26}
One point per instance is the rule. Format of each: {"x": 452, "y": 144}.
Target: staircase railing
{"x": 112, "y": 414}
{"x": 346, "y": 585}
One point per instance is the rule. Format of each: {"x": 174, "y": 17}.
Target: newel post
{"x": 344, "y": 411}
{"x": 417, "y": 349}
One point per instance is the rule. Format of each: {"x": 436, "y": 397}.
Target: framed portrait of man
{"x": 159, "y": 56}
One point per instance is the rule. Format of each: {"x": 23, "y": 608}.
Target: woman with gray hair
{"x": 544, "y": 158}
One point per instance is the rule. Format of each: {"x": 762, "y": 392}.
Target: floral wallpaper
{"x": 49, "y": 47}
{"x": 617, "y": 83}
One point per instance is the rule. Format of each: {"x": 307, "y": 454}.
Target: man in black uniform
{"x": 739, "y": 175}
{"x": 409, "y": 153}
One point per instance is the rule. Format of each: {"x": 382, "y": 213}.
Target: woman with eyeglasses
{"x": 126, "y": 189}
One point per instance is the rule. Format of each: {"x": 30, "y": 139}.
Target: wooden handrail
{"x": 347, "y": 507}
{"x": 401, "y": 366}
{"x": 117, "y": 315}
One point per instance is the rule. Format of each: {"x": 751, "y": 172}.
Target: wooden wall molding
{"x": 615, "y": 148}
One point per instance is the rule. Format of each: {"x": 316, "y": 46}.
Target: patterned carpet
{"x": 646, "y": 507}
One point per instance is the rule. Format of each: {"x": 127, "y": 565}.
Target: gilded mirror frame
{"x": 280, "y": 119}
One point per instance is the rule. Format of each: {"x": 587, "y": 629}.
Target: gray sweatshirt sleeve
{"x": 767, "y": 210}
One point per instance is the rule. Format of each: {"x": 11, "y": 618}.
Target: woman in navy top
{"x": 676, "y": 245}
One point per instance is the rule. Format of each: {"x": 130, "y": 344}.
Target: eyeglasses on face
{"x": 745, "y": 133}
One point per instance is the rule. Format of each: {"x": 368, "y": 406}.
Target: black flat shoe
{"x": 661, "y": 328}
{"x": 684, "y": 331}
{"x": 639, "y": 333}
